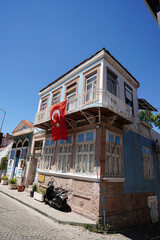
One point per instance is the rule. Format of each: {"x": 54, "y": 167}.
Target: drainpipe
{"x": 104, "y": 216}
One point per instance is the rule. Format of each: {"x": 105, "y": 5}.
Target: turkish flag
{"x": 58, "y": 122}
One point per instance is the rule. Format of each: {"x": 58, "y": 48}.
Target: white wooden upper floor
{"x": 99, "y": 83}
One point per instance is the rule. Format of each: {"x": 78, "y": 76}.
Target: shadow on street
{"x": 149, "y": 232}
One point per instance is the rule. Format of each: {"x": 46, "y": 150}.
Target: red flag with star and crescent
{"x": 58, "y": 122}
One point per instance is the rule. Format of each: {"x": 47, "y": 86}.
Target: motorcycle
{"x": 56, "y": 198}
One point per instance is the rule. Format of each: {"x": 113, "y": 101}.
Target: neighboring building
{"x": 154, "y": 8}
{"x": 20, "y": 152}
{"x": 107, "y": 143}
{"x": 6, "y": 140}
{"x": 5, "y": 148}
{"x": 4, "y": 152}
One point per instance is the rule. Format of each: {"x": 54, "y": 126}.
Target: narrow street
{"x": 20, "y": 222}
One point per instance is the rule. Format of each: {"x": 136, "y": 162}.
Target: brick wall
{"x": 124, "y": 210}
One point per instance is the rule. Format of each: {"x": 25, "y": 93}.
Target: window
{"x": 128, "y": 95}
{"x": 64, "y": 155}
{"x": 49, "y": 149}
{"x": 44, "y": 104}
{"x": 113, "y": 160}
{"x": 111, "y": 82}
{"x": 12, "y": 154}
{"x": 26, "y": 143}
{"x": 19, "y": 144}
{"x": 91, "y": 82}
{"x": 71, "y": 92}
{"x": 148, "y": 172}
{"x": 48, "y": 157}
{"x": 56, "y": 97}
{"x": 14, "y": 145}
{"x": 23, "y": 153}
{"x": 85, "y": 153}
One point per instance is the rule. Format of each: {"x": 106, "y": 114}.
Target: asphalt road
{"x": 19, "y": 222}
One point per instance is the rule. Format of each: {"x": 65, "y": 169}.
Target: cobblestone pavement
{"x": 19, "y": 222}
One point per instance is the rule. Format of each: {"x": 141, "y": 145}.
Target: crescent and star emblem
{"x": 56, "y": 111}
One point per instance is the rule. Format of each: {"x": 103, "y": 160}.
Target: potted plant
{"x": 4, "y": 180}
{"x": 34, "y": 188}
{"x": 12, "y": 183}
{"x": 39, "y": 194}
{"x": 20, "y": 188}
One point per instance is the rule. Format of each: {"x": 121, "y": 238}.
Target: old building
{"x": 154, "y": 8}
{"x": 108, "y": 163}
{"x": 20, "y": 151}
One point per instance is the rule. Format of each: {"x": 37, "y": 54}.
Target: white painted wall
{"x": 4, "y": 152}
{"x": 121, "y": 80}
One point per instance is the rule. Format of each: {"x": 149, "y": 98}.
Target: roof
{"x": 103, "y": 49}
{"x": 152, "y": 6}
{"x": 29, "y": 124}
{"x": 144, "y": 105}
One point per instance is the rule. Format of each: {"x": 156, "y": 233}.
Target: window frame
{"x": 43, "y": 99}
{"x": 126, "y": 85}
{"x": 54, "y": 93}
{"x": 50, "y": 152}
{"x": 111, "y": 145}
{"x": 87, "y": 74}
{"x": 67, "y": 91}
{"x": 65, "y": 144}
{"x": 82, "y": 143}
{"x": 145, "y": 173}
{"x": 115, "y": 79}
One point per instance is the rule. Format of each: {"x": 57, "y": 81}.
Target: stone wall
{"x": 83, "y": 195}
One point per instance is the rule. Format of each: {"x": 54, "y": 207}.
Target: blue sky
{"x": 41, "y": 40}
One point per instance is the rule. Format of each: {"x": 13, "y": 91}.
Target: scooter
{"x": 56, "y": 198}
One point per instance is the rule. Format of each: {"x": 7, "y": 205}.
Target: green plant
{"x": 34, "y": 187}
{"x": 4, "y": 162}
{"x": 98, "y": 228}
{"x": 12, "y": 181}
{"x": 41, "y": 190}
{"x": 4, "y": 178}
{"x": 73, "y": 224}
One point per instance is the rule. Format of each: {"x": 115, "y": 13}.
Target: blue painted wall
{"x": 133, "y": 165}
{"x": 11, "y": 166}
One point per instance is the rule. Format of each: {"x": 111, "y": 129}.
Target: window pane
{"x": 89, "y": 136}
{"x": 111, "y": 83}
{"x": 111, "y": 138}
{"x": 89, "y": 86}
{"x": 44, "y": 104}
{"x": 56, "y": 98}
{"x": 80, "y": 137}
{"x": 71, "y": 85}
